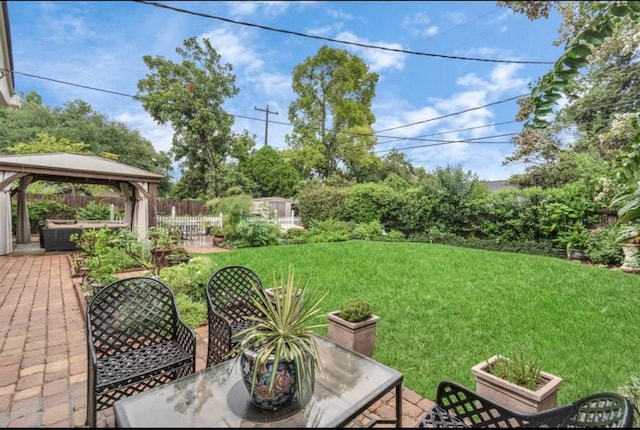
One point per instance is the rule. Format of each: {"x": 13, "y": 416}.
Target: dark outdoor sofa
{"x": 55, "y": 235}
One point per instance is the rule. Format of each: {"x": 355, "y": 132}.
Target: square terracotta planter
{"x": 359, "y": 337}
{"x": 514, "y": 396}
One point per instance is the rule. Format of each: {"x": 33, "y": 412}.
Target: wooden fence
{"x": 164, "y": 206}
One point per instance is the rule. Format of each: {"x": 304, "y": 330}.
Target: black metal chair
{"x": 136, "y": 341}
{"x": 229, "y": 300}
{"x": 459, "y": 407}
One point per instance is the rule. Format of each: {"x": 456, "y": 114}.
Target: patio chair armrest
{"x": 219, "y": 344}
{"x": 186, "y": 337}
{"x": 602, "y": 410}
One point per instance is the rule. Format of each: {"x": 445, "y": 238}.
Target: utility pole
{"x": 266, "y": 123}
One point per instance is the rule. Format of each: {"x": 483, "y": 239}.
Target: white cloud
{"x": 503, "y": 78}
{"x": 418, "y": 25}
{"x": 272, "y": 84}
{"x": 376, "y": 58}
{"x": 456, "y": 18}
{"x": 338, "y": 14}
{"x": 484, "y": 159}
{"x": 431, "y": 31}
{"x": 235, "y": 48}
{"x": 159, "y": 136}
{"x": 267, "y": 8}
{"x": 326, "y": 30}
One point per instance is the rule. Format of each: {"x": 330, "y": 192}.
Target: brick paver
{"x": 43, "y": 360}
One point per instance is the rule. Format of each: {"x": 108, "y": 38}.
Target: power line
{"x": 375, "y": 134}
{"x": 329, "y": 39}
{"x": 452, "y": 142}
{"x": 266, "y": 122}
{"x": 397, "y": 139}
{"x": 451, "y": 114}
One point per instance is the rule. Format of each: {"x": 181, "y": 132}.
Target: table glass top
{"x": 216, "y": 397}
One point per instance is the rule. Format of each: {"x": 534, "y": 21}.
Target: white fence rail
{"x": 189, "y": 225}
{"x": 196, "y": 225}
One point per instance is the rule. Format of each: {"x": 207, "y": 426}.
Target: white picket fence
{"x": 191, "y": 226}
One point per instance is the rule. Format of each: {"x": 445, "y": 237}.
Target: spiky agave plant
{"x": 285, "y": 330}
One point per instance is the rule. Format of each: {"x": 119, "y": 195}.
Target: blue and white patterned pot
{"x": 284, "y": 387}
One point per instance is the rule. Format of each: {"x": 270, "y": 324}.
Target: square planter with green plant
{"x": 354, "y": 326}
{"x": 517, "y": 383}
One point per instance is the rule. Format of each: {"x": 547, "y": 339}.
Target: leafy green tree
{"x": 598, "y": 75}
{"x": 76, "y": 122}
{"x": 332, "y": 115}
{"x": 454, "y": 195}
{"x": 189, "y": 96}
{"x": 593, "y": 32}
{"x": 272, "y": 175}
{"x": 48, "y": 144}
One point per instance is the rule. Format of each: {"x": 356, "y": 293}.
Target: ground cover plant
{"x": 444, "y": 309}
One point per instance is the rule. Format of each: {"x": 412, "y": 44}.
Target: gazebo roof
{"x": 71, "y": 167}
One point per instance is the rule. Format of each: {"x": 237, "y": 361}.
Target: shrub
{"x": 517, "y": 370}
{"x": 258, "y": 232}
{"x": 97, "y": 211}
{"x": 320, "y": 203}
{"x": 295, "y": 235}
{"x": 330, "y": 230}
{"x": 370, "y": 202}
{"x": 189, "y": 279}
{"x": 356, "y": 310}
{"x": 394, "y": 235}
{"x": 46, "y": 208}
{"x": 367, "y": 231}
{"x": 193, "y": 313}
{"x": 602, "y": 247}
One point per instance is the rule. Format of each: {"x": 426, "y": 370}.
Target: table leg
{"x": 399, "y": 405}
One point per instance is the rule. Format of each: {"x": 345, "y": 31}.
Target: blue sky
{"x": 101, "y": 45}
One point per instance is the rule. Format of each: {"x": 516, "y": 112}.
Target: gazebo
{"x": 138, "y": 187}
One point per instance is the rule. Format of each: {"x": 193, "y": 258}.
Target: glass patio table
{"x": 347, "y": 384}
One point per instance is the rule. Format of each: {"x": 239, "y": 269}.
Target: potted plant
{"x": 178, "y": 255}
{"x": 627, "y": 200}
{"x": 162, "y": 243}
{"x": 517, "y": 383}
{"x": 354, "y": 326}
{"x": 217, "y": 236}
{"x": 278, "y": 354}
{"x": 575, "y": 242}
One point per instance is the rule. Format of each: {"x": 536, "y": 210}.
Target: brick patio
{"x": 43, "y": 357}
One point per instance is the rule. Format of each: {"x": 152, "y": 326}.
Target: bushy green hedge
{"x": 257, "y": 232}
{"x": 321, "y": 203}
{"x": 189, "y": 279}
{"x": 41, "y": 210}
{"x": 97, "y": 211}
{"x": 371, "y": 202}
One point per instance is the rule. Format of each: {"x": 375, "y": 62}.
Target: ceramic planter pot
{"x": 284, "y": 388}
{"x": 359, "y": 337}
{"x": 630, "y": 263}
{"x": 514, "y": 396}
{"x": 576, "y": 254}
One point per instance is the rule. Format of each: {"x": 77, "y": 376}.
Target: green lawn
{"x": 443, "y": 309}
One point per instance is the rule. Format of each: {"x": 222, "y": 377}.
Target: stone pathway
{"x": 43, "y": 357}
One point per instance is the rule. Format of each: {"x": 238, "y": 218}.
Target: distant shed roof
{"x": 64, "y": 165}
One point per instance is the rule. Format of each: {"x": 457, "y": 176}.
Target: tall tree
{"x": 190, "y": 95}
{"x": 272, "y": 175}
{"x": 76, "y": 121}
{"x": 332, "y": 115}
{"x": 598, "y": 77}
